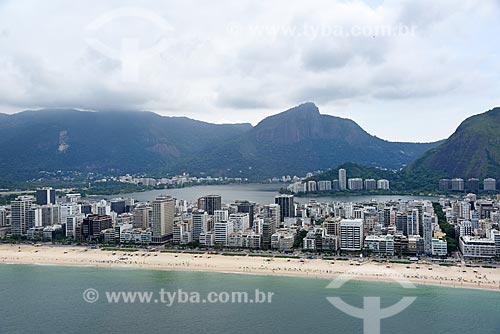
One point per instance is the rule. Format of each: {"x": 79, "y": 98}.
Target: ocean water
{"x": 49, "y": 299}
{"x": 259, "y": 193}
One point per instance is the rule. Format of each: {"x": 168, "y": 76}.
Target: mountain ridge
{"x": 473, "y": 150}
{"x": 295, "y": 141}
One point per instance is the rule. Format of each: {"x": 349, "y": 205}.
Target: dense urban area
{"x": 467, "y": 227}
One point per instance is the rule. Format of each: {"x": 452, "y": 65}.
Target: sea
{"x": 55, "y": 299}
{"x": 255, "y": 192}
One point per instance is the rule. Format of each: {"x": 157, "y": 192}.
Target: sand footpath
{"x": 461, "y": 277}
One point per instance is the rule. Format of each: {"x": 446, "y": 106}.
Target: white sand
{"x": 80, "y": 256}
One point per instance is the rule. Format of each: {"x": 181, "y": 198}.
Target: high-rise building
{"x": 412, "y": 223}
{"x": 273, "y": 211}
{"x": 20, "y": 208}
{"x": 50, "y": 214}
{"x": 221, "y": 215}
{"x": 46, "y": 195}
{"x": 287, "y": 206}
{"x": 370, "y": 184}
{"x": 473, "y": 185}
{"x": 445, "y": 184}
{"x": 267, "y": 232}
{"x": 311, "y": 186}
{"x": 70, "y": 209}
{"x": 428, "y": 233}
{"x": 246, "y": 207}
{"x": 74, "y": 198}
{"x": 355, "y": 184}
{"x": 92, "y": 226}
{"x": 141, "y": 216}
{"x": 200, "y": 224}
{"x": 324, "y": 185}
{"x": 402, "y": 222}
{"x": 102, "y": 208}
{"x": 241, "y": 221}
{"x": 490, "y": 184}
{"x": 118, "y": 205}
{"x": 3, "y": 217}
{"x": 222, "y": 230}
{"x": 332, "y": 226}
{"x": 162, "y": 220}
{"x": 351, "y": 234}
{"x": 210, "y": 203}
{"x": 383, "y": 184}
{"x": 342, "y": 179}
{"x": 457, "y": 184}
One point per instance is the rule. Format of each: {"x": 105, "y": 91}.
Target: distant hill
{"x": 472, "y": 151}
{"x": 293, "y": 142}
{"x": 300, "y": 140}
{"x": 119, "y": 142}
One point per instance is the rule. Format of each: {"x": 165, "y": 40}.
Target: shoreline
{"x": 78, "y": 256}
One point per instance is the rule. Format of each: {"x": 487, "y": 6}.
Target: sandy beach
{"x": 460, "y": 277}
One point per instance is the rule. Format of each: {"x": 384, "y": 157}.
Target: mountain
{"x": 300, "y": 140}
{"x": 50, "y": 140}
{"x": 293, "y": 142}
{"x": 472, "y": 151}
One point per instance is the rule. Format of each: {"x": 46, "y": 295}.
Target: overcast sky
{"x": 404, "y": 70}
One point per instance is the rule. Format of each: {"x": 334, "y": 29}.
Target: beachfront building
{"x": 20, "y": 208}
{"x": 439, "y": 247}
{"x": 207, "y": 239}
{"x": 182, "y": 233}
{"x": 380, "y": 245}
{"x": 222, "y": 230}
{"x": 351, "y": 234}
{"x": 162, "y": 221}
{"x": 495, "y": 236}
{"x": 250, "y": 239}
{"x": 283, "y": 239}
{"x": 92, "y": 225}
{"x": 474, "y": 247}
{"x": 137, "y": 236}
{"x": 200, "y": 224}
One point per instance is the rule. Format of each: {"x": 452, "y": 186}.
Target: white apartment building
{"x": 439, "y": 247}
{"x": 351, "y": 234}
{"x": 477, "y": 247}
{"x": 222, "y": 230}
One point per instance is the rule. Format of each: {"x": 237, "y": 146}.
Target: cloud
{"x": 241, "y": 62}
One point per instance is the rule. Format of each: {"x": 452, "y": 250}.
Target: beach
{"x": 421, "y": 273}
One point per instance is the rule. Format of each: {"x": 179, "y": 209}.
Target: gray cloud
{"x": 240, "y": 62}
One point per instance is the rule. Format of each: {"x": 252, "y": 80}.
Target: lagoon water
{"x": 48, "y": 299}
{"x": 259, "y": 193}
